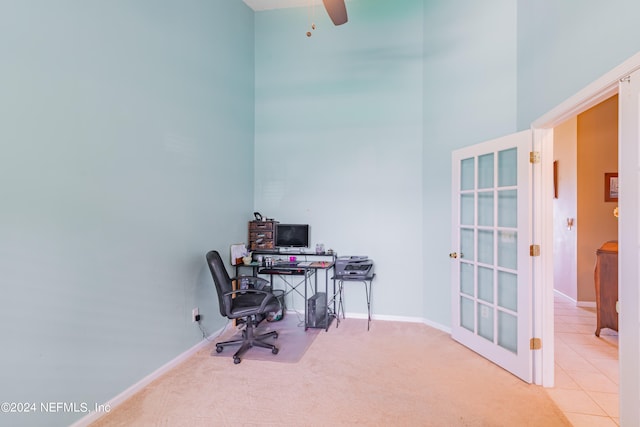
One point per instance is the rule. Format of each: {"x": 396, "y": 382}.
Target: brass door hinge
{"x": 535, "y": 343}
{"x": 534, "y": 250}
{"x": 534, "y": 157}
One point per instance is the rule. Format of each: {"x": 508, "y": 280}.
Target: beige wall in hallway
{"x": 565, "y": 206}
{"x": 585, "y": 148}
{"x": 597, "y": 154}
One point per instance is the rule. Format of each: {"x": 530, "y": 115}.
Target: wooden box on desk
{"x": 262, "y": 235}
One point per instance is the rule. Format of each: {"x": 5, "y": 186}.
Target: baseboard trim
{"x": 92, "y": 417}
{"x": 565, "y": 296}
{"x": 407, "y": 319}
{"x": 588, "y": 304}
{"x": 438, "y": 326}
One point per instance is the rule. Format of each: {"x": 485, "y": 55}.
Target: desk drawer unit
{"x": 261, "y": 235}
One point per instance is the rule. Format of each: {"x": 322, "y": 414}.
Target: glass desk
{"x": 319, "y": 306}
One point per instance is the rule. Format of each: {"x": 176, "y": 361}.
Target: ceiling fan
{"x": 337, "y": 11}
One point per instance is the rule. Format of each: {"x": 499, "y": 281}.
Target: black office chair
{"x": 251, "y": 303}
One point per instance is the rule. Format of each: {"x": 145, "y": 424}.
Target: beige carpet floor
{"x": 397, "y": 374}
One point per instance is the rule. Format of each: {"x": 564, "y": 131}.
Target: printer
{"x": 353, "y": 267}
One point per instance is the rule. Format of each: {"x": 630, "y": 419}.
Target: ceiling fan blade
{"x": 337, "y": 11}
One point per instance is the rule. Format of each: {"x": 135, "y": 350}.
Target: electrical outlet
{"x": 194, "y": 315}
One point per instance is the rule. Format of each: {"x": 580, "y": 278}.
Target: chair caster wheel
{"x": 236, "y": 360}
{"x": 275, "y": 350}
{"x": 218, "y": 349}
{"x": 275, "y": 336}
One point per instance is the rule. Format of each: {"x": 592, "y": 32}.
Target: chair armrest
{"x": 265, "y": 301}
{"x": 246, "y": 291}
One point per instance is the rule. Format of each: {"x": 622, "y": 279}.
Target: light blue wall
{"x": 563, "y": 46}
{"x": 355, "y": 126}
{"x": 339, "y": 138}
{"x": 124, "y": 128}
{"x": 469, "y": 97}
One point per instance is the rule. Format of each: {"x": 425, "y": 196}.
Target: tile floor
{"x": 586, "y": 367}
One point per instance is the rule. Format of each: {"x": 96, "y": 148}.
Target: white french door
{"x": 491, "y": 264}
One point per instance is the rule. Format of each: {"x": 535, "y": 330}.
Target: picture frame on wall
{"x": 611, "y": 187}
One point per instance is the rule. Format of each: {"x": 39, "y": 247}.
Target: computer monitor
{"x": 292, "y": 235}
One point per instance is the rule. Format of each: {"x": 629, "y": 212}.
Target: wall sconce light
{"x": 615, "y": 212}
{"x": 569, "y": 223}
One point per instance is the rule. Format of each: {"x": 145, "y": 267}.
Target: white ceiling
{"x": 281, "y": 4}
{"x": 278, "y": 4}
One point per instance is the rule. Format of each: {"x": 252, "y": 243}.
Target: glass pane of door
{"x": 485, "y": 284}
{"x": 467, "y": 243}
{"x": 485, "y": 208}
{"x": 466, "y": 279}
{"x": 467, "y": 174}
{"x": 485, "y": 321}
{"x": 507, "y": 208}
{"x": 508, "y": 167}
{"x": 466, "y": 314}
{"x": 508, "y": 290}
{"x": 508, "y": 249}
{"x": 485, "y": 171}
{"x": 485, "y": 246}
{"x": 467, "y": 209}
{"x": 508, "y": 331}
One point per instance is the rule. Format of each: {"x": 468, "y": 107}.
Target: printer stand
{"x": 367, "y": 281}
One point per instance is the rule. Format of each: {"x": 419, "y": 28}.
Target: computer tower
{"x": 317, "y": 311}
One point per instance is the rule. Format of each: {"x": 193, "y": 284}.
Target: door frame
{"x": 594, "y": 93}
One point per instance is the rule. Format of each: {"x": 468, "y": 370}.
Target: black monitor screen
{"x": 292, "y": 235}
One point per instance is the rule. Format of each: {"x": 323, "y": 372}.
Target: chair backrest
{"x": 222, "y": 281}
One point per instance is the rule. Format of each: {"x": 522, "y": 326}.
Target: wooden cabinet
{"x": 606, "y": 280}
{"x": 262, "y": 235}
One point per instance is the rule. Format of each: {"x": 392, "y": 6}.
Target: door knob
{"x": 453, "y": 255}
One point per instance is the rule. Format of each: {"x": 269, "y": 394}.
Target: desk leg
{"x": 368, "y": 291}
{"x": 336, "y": 312}
{"x": 340, "y": 302}
{"x": 326, "y": 292}
{"x": 306, "y": 323}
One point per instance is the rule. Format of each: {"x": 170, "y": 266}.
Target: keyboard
{"x": 274, "y": 271}
{"x": 281, "y": 271}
